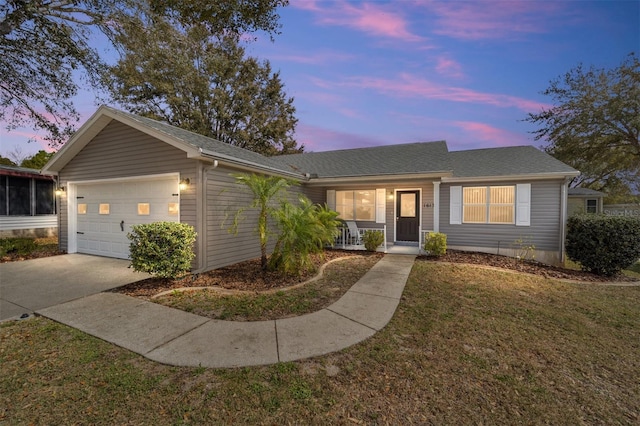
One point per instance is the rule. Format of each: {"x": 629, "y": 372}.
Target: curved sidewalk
{"x": 175, "y": 337}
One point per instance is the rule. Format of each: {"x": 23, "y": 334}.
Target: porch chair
{"x": 354, "y": 233}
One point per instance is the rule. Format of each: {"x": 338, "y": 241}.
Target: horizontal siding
{"x": 544, "y": 231}
{"x": 224, "y": 198}
{"x": 8, "y": 223}
{"x": 119, "y": 151}
{"x": 317, "y": 195}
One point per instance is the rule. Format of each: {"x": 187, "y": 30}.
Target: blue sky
{"x": 368, "y": 73}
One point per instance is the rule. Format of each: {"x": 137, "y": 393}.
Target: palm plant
{"x": 304, "y": 229}
{"x": 264, "y": 190}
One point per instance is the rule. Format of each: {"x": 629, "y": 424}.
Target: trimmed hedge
{"x": 604, "y": 245}
{"x": 164, "y": 249}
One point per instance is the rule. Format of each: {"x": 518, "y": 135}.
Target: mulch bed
{"x": 527, "y": 266}
{"x": 245, "y": 276}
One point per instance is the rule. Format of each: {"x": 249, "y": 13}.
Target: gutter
{"x": 532, "y": 176}
{"x": 377, "y": 177}
{"x": 250, "y": 165}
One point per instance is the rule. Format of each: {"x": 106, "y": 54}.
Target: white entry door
{"x": 106, "y": 212}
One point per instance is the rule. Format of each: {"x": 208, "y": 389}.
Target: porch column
{"x": 436, "y": 206}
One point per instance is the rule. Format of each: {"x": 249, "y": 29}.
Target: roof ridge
{"x": 365, "y": 148}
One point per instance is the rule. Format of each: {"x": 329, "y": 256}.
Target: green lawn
{"x": 466, "y": 346}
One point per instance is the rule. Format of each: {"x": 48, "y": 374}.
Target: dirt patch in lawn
{"x": 526, "y": 266}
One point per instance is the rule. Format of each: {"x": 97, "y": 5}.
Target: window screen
{"x": 44, "y": 197}
{"x": 19, "y": 196}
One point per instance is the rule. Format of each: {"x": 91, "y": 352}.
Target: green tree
{"x": 46, "y": 45}
{"x": 265, "y": 192}
{"x": 594, "y": 125}
{"x": 37, "y": 160}
{"x": 6, "y": 161}
{"x": 304, "y": 229}
{"x": 205, "y": 85}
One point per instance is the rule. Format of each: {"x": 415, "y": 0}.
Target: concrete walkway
{"x": 175, "y": 337}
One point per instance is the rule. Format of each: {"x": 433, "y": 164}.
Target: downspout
{"x": 563, "y": 217}
{"x": 436, "y": 206}
{"x": 201, "y": 208}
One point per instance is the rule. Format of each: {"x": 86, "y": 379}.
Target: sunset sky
{"x": 368, "y": 73}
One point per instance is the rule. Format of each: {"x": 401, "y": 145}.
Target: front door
{"x": 408, "y": 215}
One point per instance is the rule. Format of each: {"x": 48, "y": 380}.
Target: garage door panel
{"x": 106, "y": 234}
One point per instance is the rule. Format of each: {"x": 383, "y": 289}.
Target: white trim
{"x": 510, "y": 178}
{"x": 455, "y": 205}
{"x": 72, "y": 202}
{"x": 563, "y": 217}
{"x": 523, "y": 204}
{"x": 436, "y": 206}
{"x": 381, "y": 205}
{"x": 395, "y": 211}
{"x": 331, "y": 199}
{"x": 380, "y": 179}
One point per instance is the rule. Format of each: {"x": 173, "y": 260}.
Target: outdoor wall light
{"x": 184, "y": 184}
{"x": 60, "y": 190}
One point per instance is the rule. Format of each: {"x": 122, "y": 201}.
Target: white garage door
{"x": 106, "y": 212}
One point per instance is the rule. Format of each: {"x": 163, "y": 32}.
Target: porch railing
{"x": 352, "y": 242}
{"x": 423, "y": 237}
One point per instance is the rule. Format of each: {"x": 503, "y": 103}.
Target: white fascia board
{"x": 510, "y": 178}
{"x": 78, "y": 140}
{"x": 248, "y": 165}
{"x": 382, "y": 178}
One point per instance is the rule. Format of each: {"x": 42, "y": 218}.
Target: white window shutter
{"x": 381, "y": 205}
{"x": 523, "y": 204}
{"x": 331, "y": 199}
{"x": 455, "y": 205}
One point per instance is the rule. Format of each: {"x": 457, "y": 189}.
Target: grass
{"x": 338, "y": 277}
{"x": 632, "y": 271}
{"x": 27, "y": 248}
{"x": 466, "y": 346}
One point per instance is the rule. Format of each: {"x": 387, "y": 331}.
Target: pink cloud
{"x": 316, "y": 139}
{"x": 494, "y": 136}
{"x": 410, "y": 86}
{"x": 369, "y": 18}
{"x": 482, "y": 20}
{"x": 448, "y": 67}
{"x": 317, "y": 58}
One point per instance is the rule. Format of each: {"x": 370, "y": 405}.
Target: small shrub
{"x": 372, "y": 239}
{"x": 525, "y": 249}
{"x": 604, "y": 245}
{"x": 20, "y": 246}
{"x": 436, "y": 244}
{"x": 164, "y": 249}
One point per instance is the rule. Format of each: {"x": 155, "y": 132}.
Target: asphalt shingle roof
{"x": 513, "y": 160}
{"x": 411, "y": 158}
{"x": 424, "y": 157}
{"x": 586, "y": 192}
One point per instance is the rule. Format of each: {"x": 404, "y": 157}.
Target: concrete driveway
{"x": 31, "y": 285}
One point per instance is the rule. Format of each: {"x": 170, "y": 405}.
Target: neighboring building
{"x": 120, "y": 169}
{"x": 27, "y": 203}
{"x": 585, "y": 200}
